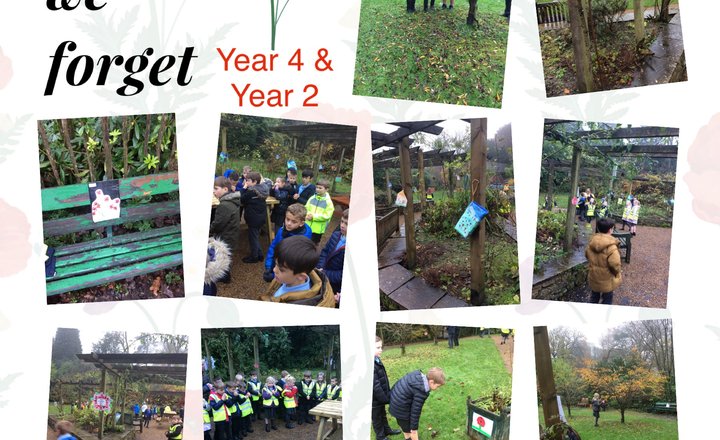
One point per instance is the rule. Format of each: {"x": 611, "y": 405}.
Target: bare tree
{"x": 568, "y": 343}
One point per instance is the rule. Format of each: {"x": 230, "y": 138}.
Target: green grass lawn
{"x": 637, "y": 426}
{"x": 55, "y": 410}
{"x": 433, "y": 56}
{"x": 473, "y": 369}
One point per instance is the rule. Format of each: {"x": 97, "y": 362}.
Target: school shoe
{"x": 393, "y": 432}
{"x": 267, "y": 428}
{"x": 289, "y": 425}
{"x": 273, "y": 426}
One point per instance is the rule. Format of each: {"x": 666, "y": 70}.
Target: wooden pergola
{"x": 302, "y": 134}
{"x": 124, "y": 366}
{"x": 634, "y": 144}
{"x": 399, "y": 143}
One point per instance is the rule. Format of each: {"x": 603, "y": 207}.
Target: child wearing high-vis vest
{"x": 207, "y": 423}
{"x": 289, "y": 400}
{"x": 320, "y": 389}
{"x": 234, "y": 410}
{"x": 320, "y": 210}
{"x": 626, "y": 212}
{"x": 633, "y": 216}
{"x": 306, "y": 393}
{"x": 270, "y": 399}
{"x": 246, "y": 409}
{"x": 175, "y": 430}
{"x": 254, "y": 390}
{"x": 221, "y": 417}
{"x": 333, "y": 390}
{"x": 590, "y": 213}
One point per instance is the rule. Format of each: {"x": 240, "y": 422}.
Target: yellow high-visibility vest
{"x": 288, "y": 401}
{"x": 255, "y": 391}
{"x": 319, "y": 388}
{"x": 206, "y": 414}
{"x": 220, "y": 414}
{"x": 172, "y": 430}
{"x": 273, "y": 400}
{"x": 590, "y": 210}
{"x": 246, "y": 408}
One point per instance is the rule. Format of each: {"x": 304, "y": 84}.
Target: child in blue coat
{"x": 332, "y": 257}
{"x": 294, "y": 225}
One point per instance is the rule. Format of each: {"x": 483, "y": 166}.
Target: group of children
{"x": 587, "y": 210}
{"x": 64, "y": 428}
{"x": 298, "y": 271}
{"x": 406, "y": 397}
{"x": 229, "y": 409}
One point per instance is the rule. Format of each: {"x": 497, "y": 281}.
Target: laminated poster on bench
{"x": 105, "y": 200}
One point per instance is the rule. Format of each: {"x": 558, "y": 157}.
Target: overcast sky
{"x": 593, "y": 332}
{"x": 451, "y": 126}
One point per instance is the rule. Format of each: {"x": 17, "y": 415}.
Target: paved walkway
{"x": 402, "y": 286}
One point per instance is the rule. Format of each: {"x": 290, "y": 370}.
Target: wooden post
{"x": 211, "y": 372}
{"x": 421, "y": 179}
{"x": 231, "y": 368}
{"x": 64, "y": 125}
{"x": 48, "y": 152}
{"x": 639, "y": 21}
{"x": 551, "y": 187}
{"x": 122, "y": 405}
{"x": 545, "y": 380}
{"x": 62, "y": 402}
{"x": 116, "y": 391}
{"x": 125, "y": 138}
{"x": 405, "y": 172}
{"x": 223, "y": 139}
{"x": 102, "y": 413}
{"x": 339, "y": 170}
{"x": 148, "y": 124}
{"x": 583, "y": 67}
{"x": 387, "y": 187}
{"x": 478, "y": 164}
{"x": 574, "y": 176}
{"x": 158, "y": 146}
{"x": 451, "y": 180}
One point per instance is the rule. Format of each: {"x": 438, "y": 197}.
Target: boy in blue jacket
{"x": 306, "y": 189}
{"x": 294, "y": 225}
{"x": 332, "y": 257}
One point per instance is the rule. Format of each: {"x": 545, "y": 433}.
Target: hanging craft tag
{"x": 470, "y": 219}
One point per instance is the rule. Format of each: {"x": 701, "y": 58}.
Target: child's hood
{"x": 233, "y": 197}
{"x": 262, "y": 190}
{"x": 600, "y": 242}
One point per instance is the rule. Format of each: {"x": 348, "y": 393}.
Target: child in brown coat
{"x": 603, "y": 262}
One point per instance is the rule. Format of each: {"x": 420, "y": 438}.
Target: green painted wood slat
{"x": 115, "y": 240}
{"x": 71, "y": 196}
{"x": 118, "y": 253}
{"x": 113, "y": 274}
{"x": 84, "y": 222}
{"x": 128, "y": 258}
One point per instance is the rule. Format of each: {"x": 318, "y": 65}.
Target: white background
{"x": 29, "y": 34}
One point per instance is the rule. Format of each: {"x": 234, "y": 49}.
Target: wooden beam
{"x": 630, "y": 133}
{"x": 339, "y": 170}
{"x": 550, "y": 187}
{"x": 639, "y": 16}
{"x": 405, "y": 172}
{"x": 545, "y": 379}
{"x": 478, "y": 178}
{"x": 223, "y": 139}
{"x": 102, "y": 413}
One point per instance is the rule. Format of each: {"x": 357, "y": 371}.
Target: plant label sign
{"x": 483, "y": 425}
{"x": 104, "y": 200}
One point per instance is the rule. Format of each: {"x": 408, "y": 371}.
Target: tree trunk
{"x": 622, "y": 415}
{"x": 550, "y": 188}
{"x": 148, "y": 123}
{"x": 581, "y": 54}
{"x": 48, "y": 153}
{"x": 639, "y": 11}
{"x": 471, "y": 20}
{"x": 64, "y": 125}
{"x": 208, "y": 359}
{"x": 545, "y": 380}
{"x": 402, "y": 348}
{"x": 665, "y": 11}
{"x": 231, "y": 368}
{"x": 158, "y": 146}
{"x": 105, "y": 124}
{"x": 339, "y": 170}
{"x": 256, "y": 354}
{"x": 125, "y": 137}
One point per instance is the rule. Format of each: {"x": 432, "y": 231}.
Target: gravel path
{"x": 645, "y": 278}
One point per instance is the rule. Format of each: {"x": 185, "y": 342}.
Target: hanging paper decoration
{"x": 291, "y": 164}
{"x": 102, "y": 402}
{"x": 223, "y": 157}
{"x": 470, "y": 219}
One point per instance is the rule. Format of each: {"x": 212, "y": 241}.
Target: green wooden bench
{"x": 664, "y": 407}
{"x": 625, "y": 239}
{"x": 112, "y": 258}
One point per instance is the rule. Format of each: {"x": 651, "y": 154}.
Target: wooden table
{"x": 328, "y": 409}
{"x": 269, "y": 203}
{"x": 343, "y": 201}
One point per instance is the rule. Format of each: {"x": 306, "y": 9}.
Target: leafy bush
{"x": 607, "y": 12}
{"x": 550, "y": 227}
{"x": 87, "y": 418}
{"x": 439, "y": 218}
